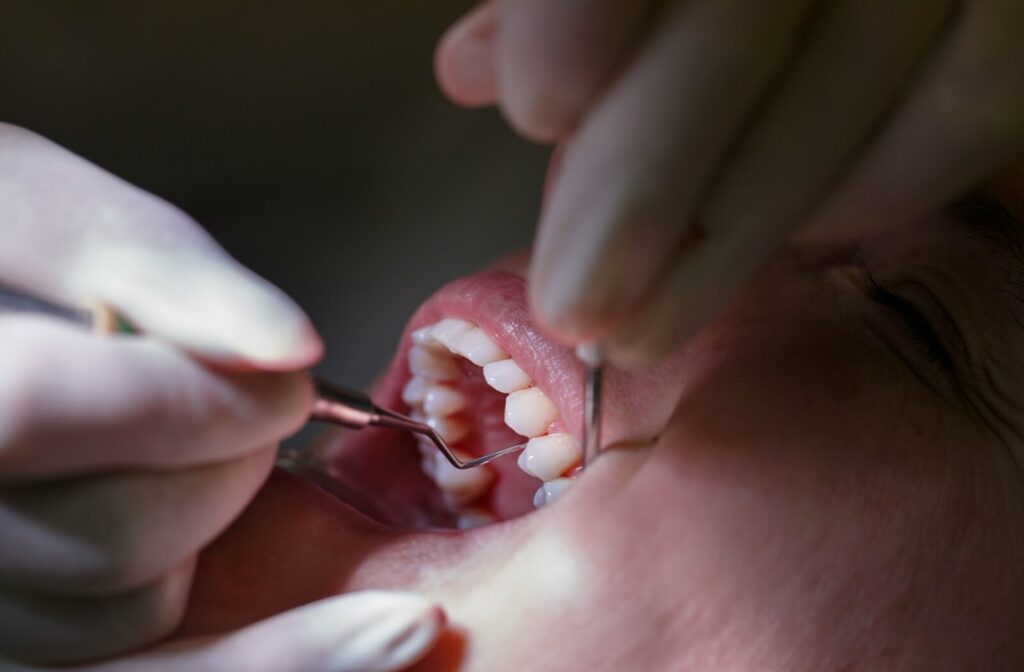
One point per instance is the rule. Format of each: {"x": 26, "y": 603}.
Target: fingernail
{"x": 203, "y": 301}
{"x": 400, "y": 628}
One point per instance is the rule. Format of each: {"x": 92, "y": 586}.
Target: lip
{"x": 495, "y": 300}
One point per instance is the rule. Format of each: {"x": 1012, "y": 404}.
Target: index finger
{"x": 71, "y": 403}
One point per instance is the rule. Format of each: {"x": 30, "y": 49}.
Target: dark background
{"x": 309, "y": 137}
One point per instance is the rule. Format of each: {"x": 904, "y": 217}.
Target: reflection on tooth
{"x": 540, "y": 498}
{"x": 506, "y": 376}
{"x": 432, "y": 365}
{"x": 450, "y": 328}
{"x": 554, "y": 489}
{"x": 529, "y": 412}
{"x": 548, "y": 457}
{"x": 415, "y": 391}
{"x": 462, "y": 485}
{"x": 477, "y": 347}
{"x": 473, "y": 517}
{"x": 452, "y": 431}
{"x": 423, "y": 336}
{"x": 441, "y": 400}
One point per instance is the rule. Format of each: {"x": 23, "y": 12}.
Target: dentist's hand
{"x": 122, "y": 457}
{"x": 699, "y": 134}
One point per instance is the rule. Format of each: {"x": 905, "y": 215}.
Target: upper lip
{"x": 495, "y": 301}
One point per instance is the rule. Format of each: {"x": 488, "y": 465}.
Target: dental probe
{"x": 332, "y": 404}
{"x": 590, "y": 356}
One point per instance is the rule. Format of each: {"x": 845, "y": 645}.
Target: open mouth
{"x": 471, "y": 364}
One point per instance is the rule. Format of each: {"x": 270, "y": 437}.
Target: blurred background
{"x": 309, "y": 137}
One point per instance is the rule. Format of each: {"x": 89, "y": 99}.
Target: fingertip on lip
{"x": 569, "y": 323}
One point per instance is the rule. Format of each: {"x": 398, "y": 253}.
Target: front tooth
{"x": 432, "y": 365}
{"x": 462, "y": 485}
{"x": 442, "y": 401}
{"x": 548, "y": 457}
{"x": 445, "y": 331}
{"x": 451, "y": 430}
{"x": 529, "y": 412}
{"x": 423, "y": 336}
{"x": 473, "y": 517}
{"x": 506, "y": 376}
{"x": 477, "y": 347}
{"x": 415, "y": 391}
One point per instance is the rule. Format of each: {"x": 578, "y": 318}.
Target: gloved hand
{"x": 122, "y": 457}
{"x": 368, "y": 631}
{"x": 698, "y": 134}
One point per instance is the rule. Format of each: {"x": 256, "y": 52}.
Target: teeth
{"x": 506, "y": 376}
{"x": 451, "y": 430}
{"x": 423, "y": 336}
{"x": 431, "y": 365}
{"x": 445, "y": 331}
{"x": 551, "y": 491}
{"x": 529, "y": 412}
{"x": 415, "y": 391}
{"x": 473, "y": 517}
{"x": 462, "y": 485}
{"x": 548, "y": 457}
{"x": 477, "y": 347}
{"x": 441, "y": 400}
{"x": 430, "y": 460}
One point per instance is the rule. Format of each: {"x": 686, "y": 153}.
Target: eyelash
{"x": 920, "y": 328}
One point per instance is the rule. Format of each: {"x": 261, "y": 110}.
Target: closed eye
{"x": 917, "y": 326}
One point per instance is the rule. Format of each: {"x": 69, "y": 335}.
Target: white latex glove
{"x": 698, "y": 135}
{"x": 122, "y": 457}
{"x": 371, "y": 631}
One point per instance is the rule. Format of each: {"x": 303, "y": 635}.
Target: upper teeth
{"x": 506, "y": 376}
{"x": 548, "y": 457}
{"x": 528, "y": 411}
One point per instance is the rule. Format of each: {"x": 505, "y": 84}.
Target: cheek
{"x": 771, "y": 392}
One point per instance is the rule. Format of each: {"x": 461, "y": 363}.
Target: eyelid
{"x": 936, "y": 314}
{"x": 935, "y": 334}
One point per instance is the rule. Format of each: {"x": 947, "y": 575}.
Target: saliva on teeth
{"x": 432, "y": 397}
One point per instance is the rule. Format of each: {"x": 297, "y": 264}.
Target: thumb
{"x": 369, "y": 631}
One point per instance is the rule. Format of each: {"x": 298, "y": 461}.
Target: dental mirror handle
{"x": 590, "y": 355}
{"x": 339, "y": 405}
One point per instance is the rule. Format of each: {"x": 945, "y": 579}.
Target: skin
{"x": 818, "y": 495}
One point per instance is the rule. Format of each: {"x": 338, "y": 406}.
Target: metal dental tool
{"x": 332, "y": 404}
{"x": 355, "y": 410}
{"x": 590, "y": 356}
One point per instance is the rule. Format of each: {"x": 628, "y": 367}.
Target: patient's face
{"x": 826, "y": 478}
